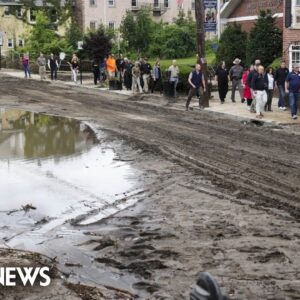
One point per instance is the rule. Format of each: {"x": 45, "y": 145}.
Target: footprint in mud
{"x": 144, "y": 268}
{"x": 272, "y": 257}
{"x": 110, "y": 262}
{"x": 147, "y": 286}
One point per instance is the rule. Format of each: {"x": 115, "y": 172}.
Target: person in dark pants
{"x": 197, "y": 83}
{"x": 53, "y": 66}
{"x": 280, "y": 77}
{"x": 128, "y": 73}
{"x": 292, "y": 87}
{"x": 222, "y": 80}
{"x": 96, "y": 71}
{"x": 236, "y": 73}
{"x": 270, "y": 90}
{"x": 157, "y": 77}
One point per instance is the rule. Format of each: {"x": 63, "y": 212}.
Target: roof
{"x": 228, "y": 8}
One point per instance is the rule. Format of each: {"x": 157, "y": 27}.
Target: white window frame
{"x": 93, "y": 5}
{"x": 31, "y": 10}
{"x": 136, "y": 3}
{"x": 12, "y": 43}
{"x": 19, "y": 12}
{"x": 6, "y": 12}
{"x": 23, "y": 43}
{"x": 295, "y": 13}
{"x": 113, "y": 4}
{"x": 113, "y": 23}
{"x": 294, "y": 49}
{"x": 155, "y": 4}
{"x": 166, "y": 3}
{"x": 95, "y": 25}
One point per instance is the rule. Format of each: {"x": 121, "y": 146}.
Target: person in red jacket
{"x": 247, "y": 89}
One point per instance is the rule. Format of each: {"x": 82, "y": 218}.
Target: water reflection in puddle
{"x": 57, "y": 165}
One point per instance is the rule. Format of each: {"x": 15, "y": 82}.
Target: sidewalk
{"x": 237, "y": 110}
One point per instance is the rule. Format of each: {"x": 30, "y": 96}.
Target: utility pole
{"x": 199, "y": 12}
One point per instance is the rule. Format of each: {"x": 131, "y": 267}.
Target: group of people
{"x": 257, "y": 85}
{"x": 53, "y": 64}
{"x": 136, "y": 76}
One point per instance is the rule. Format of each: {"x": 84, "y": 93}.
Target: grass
{"x": 185, "y": 64}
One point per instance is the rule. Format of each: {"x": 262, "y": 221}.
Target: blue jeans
{"x": 281, "y": 101}
{"x": 175, "y": 80}
{"x": 294, "y": 97}
{"x": 27, "y": 70}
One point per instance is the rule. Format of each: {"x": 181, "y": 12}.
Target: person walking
{"x": 174, "y": 75}
{"x": 25, "y": 62}
{"x": 136, "y": 81}
{"x": 53, "y": 66}
{"x": 41, "y": 62}
{"x": 222, "y": 81}
{"x": 96, "y": 70}
{"x": 236, "y": 73}
{"x": 197, "y": 85}
{"x": 257, "y": 63}
{"x": 128, "y": 74}
{"x": 292, "y": 87}
{"x": 270, "y": 90}
{"x": 157, "y": 77}
{"x": 111, "y": 66}
{"x": 280, "y": 77}
{"x": 120, "y": 66}
{"x": 146, "y": 72}
{"x": 259, "y": 86}
{"x": 74, "y": 64}
{"x": 247, "y": 95}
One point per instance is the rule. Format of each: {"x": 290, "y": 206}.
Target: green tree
{"x": 97, "y": 45}
{"x": 232, "y": 44}
{"x": 43, "y": 38}
{"x": 138, "y": 32}
{"x": 265, "y": 40}
{"x": 73, "y": 34}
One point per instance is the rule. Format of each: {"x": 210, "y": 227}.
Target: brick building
{"x": 245, "y": 12}
{"x": 291, "y": 32}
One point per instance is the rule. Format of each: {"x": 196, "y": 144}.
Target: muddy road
{"x": 217, "y": 194}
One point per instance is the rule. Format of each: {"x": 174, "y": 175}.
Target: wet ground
{"x": 209, "y": 193}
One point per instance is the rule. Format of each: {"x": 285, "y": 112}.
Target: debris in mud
{"x": 73, "y": 265}
{"x": 25, "y": 208}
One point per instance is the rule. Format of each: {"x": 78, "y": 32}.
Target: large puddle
{"x": 54, "y": 169}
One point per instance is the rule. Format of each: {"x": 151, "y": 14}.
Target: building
{"x": 92, "y": 13}
{"x": 291, "y": 32}
{"x": 246, "y": 12}
{"x": 16, "y": 21}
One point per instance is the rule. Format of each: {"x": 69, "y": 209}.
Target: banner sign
{"x": 210, "y": 15}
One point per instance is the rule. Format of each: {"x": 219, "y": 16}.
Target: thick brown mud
{"x": 216, "y": 195}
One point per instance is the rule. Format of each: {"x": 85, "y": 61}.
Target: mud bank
{"x": 217, "y": 195}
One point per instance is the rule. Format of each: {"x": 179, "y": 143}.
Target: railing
{"x": 156, "y": 8}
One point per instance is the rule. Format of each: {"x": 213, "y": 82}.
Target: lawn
{"x": 184, "y": 64}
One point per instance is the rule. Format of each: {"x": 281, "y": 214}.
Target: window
{"x": 93, "y": 2}
{"x": 92, "y": 25}
{"x": 166, "y": 3}
{"x": 193, "y": 4}
{"x": 111, "y": 25}
{"x": 32, "y": 15}
{"x": 21, "y": 43}
{"x": 297, "y": 2}
{"x": 111, "y": 3}
{"x": 156, "y": 3}
{"x": 6, "y": 11}
{"x": 19, "y": 13}
{"x": 294, "y": 55}
{"x": 10, "y": 43}
{"x": 134, "y": 3}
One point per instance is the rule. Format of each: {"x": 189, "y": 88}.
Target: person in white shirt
{"x": 270, "y": 90}
{"x": 174, "y": 75}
